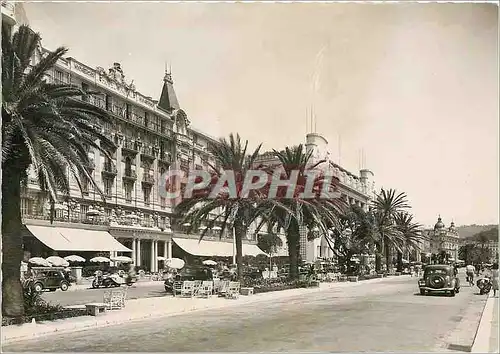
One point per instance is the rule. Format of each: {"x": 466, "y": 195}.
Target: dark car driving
{"x": 189, "y": 273}
{"x": 439, "y": 278}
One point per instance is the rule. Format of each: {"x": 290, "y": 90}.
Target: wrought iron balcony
{"x": 130, "y": 175}
{"x": 148, "y": 151}
{"x": 109, "y": 169}
{"x": 165, "y": 157}
{"x": 148, "y": 179}
{"x": 130, "y": 146}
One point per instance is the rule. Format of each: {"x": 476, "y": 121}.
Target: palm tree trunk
{"x": 378, "y": 257}
{"x": 400, "y": 261}
{"x": 239, "y": 234}
{"x": 293, "y": 240}
{"x": 388, "y": 256}
{"x": 12, "y": 253}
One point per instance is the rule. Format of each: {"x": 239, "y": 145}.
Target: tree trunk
{"x": 239, "y": 234}
{"x": 388, "y": 256}
{"x": 378, "y": 257}
{"x": 293, "y": 240}
{"x": 400, "y": 261}
{"x": 12, "y": 252}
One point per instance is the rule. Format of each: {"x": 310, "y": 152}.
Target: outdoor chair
{"x": 233, "y": 290}
{"x": 177, "y": 287}
{"x": 206, "y": 289}
{"x": 196, "y": 287}
{"x": 223, "y": 288}
{"x": 115, "y": 299}
{"x": 187, "y": 288}
{"x": 217, "y": 285}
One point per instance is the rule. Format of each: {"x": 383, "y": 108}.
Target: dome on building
{"x": 439, "y": 225}
{"x": 452, "y": 226}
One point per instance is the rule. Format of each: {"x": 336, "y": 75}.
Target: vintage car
{"x": 439, "y": 278}
{"x": 47, "y": 278}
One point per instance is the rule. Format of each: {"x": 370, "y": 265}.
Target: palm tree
{"x": 386, "y": 206}
{"x": 355, "y": 234}
{"x": 45, "y": 126}
{"x": 234, "y": 214}
{"x": 298, "y": 211}
{"x": 412, "y": 235}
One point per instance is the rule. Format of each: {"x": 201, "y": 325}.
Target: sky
{"x": 411, "y": 87}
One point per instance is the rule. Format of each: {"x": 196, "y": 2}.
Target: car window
{"x": 436, "y": 271}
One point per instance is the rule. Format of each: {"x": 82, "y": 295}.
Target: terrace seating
{"x": 115, "y": 299}
{"x": 223, "y": 288}
{"x": 196, "y": 287}
{"x": 206, "y": 289}
{"x": 233, "y": 290}
{"x": 187, "y": 288}
{"x": 217, "y": 285}
{"x": 177, "y": 287}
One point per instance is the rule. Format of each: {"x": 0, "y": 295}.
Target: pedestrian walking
{"x": 494, "y": 278}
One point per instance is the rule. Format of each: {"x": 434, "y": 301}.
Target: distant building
{"x": 443, "y": 238}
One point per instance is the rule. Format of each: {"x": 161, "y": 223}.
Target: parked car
{"x": 439, "y": 278}
{"x": 47, "y": 278}
{"x": 189, "y": 273}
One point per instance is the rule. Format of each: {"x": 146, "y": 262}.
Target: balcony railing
{"x": 130, "y": 175}
{"x": 130, "y": 146}
{"x": 148, "y": 179}
{"x": 109, "y": 169}
{"x": 165, "y": 157}
{"x": 148, "y": 151}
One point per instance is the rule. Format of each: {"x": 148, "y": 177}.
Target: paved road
{"x": 85, "y": 296}
{"x": 384, "y": 316}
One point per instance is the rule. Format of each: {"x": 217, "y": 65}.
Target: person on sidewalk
{"x": 469, "y": 271}
{"x": 494, "y": 278}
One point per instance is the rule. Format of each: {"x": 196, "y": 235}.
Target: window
{"x": 85, "y": 88}
{"x": 108, "y": 187}
{"x": 60, "y": 77}
{"x": 84, "y": 210}
{"x": 147, "y": 195}
{"x": 163, "y": 203}
{"x": 85, "y": 184}
{"x": 109, "y": 102}
{"x": 26, "y": 206}
{"x": 108, "y": 212}
{"x": 162, "y": 221}
{"x": 162, "y": 126}
{"x": 146, "y": 119}
{"x": 128, "y": 111}
{"x": 128, "y": 192}
{"x": 318, "y": 250}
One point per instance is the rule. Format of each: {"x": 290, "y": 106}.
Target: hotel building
{"x": 152, "y": 136}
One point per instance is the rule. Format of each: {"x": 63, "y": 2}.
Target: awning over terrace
{"x": 69, "y": 239}
{"x": 214, "y": 248}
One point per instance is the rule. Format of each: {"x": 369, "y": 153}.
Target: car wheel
{"x": 452, "y": 293}
{"x": 457, "y": 290}
{"x": 64, "y": 286}
{"x": 38, "y": 287}
{"x": 95, "y": 285}
{"x": 422, "y": 291}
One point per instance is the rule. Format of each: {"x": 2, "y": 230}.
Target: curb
{"x": 481, "y": 342}
{"x": 189, "y": 309}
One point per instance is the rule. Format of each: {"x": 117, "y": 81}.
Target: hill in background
{"x": 467, "y": 231}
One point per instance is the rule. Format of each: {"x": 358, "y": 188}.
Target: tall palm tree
{"x": 232, "y": 214}
{"x": 361, "y": 236}
{"x": 387, "y": 204}
{"x": 298, "y": 211}
{"x": 45, "y": 126}
{"x": 412, "y": 236}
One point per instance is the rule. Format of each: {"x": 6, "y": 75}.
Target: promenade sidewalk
{"x": 486, "y": 340}
{"x": 139, "y": 309}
